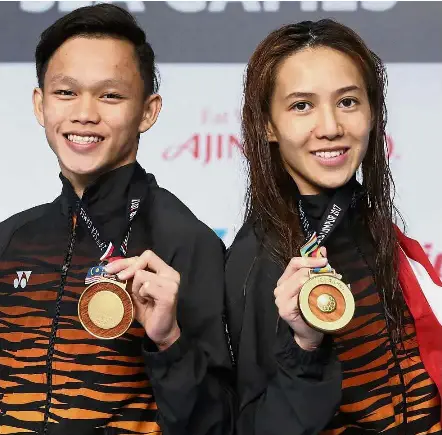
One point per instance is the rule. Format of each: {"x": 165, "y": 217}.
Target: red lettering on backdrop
{"x": 205, "y": 147}
{"x": 191, "y": 145}
{"x": 390, "y": 146}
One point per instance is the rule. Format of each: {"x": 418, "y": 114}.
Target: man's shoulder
{"x": 170, "y": 214}
{"x": 12, "y": 224}
{"x": 24, "y": 217}
{"x": 166, "y": 204}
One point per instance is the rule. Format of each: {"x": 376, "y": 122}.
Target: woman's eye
{"x": 302, "y": 106}
{"x": 347, "y": 103}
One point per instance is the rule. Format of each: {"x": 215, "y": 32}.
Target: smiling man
{"x": 111, "y": 297}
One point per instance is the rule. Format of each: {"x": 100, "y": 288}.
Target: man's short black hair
{"x": 98, "y": 21}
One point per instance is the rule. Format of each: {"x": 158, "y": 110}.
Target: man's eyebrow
{"x": 61, "y": 78}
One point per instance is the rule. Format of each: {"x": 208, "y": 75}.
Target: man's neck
{"x": 80, "y": 182}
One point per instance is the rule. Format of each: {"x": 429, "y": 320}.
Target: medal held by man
{"x": 105, "y": 308}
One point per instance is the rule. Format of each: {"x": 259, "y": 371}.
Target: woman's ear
{"x": 270, "y": 130}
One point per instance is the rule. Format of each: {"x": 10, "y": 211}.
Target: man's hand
{"x": 153, "y": 285}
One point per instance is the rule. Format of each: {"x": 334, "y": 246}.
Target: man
{"x": 58, "y": 374}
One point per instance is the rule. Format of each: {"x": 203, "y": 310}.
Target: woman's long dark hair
{"x": 270, "y": 201}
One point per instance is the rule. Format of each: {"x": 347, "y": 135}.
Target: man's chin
{"x": 82, "y": 168}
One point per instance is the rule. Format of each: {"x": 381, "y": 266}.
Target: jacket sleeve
{"x": 191, "y": 379}
{"x": 282, "y": 389}
{"x": 300, "y": 399}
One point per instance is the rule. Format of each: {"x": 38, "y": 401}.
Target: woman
{"x": 313, "y": 116}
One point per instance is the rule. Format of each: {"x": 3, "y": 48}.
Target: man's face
{"x": 93, "y": 106}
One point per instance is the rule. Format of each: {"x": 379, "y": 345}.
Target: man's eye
{"x": 64, "y": 92}
{"x": 112, "y": 95}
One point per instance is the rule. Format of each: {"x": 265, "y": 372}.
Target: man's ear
{"x": 37, "y": 100}
{"x": 152, "y": 108}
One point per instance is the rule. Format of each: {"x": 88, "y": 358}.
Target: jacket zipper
{"x": 55, "y": 320}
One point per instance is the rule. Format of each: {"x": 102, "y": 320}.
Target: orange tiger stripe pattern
{"x": 99, "y": 384}
{"x": 386, "y": 388}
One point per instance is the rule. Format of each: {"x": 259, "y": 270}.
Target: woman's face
{"x": 320, "y": 117}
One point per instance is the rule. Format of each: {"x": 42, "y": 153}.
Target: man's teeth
{"x": 83, "y": 139}
{"x": 329, "y": 154}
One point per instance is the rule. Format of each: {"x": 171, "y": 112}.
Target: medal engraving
{"x": 105, "y": 309}
{"x": 326, "y": 303}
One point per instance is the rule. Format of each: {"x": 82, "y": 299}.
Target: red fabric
{"x": 428, "y": 328}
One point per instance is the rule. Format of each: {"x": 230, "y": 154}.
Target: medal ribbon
{"x": 333, "y": 215}
{"x": 97, "y": 272}
{"x": 311, "y": 249}
{"x": 107, "y": 247}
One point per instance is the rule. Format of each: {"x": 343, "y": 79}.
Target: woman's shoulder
{"x": 248, "y": 255}
{"x": 242, "y": 254}
{"x": 246, "y": 241}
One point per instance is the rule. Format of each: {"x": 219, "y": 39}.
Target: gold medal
{"x": 105, "y": 309}
{"x": 326, "y": 303}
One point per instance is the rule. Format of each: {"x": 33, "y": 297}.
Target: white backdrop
{"x": 193, "y": 150}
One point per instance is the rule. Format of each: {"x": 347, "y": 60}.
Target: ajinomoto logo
{"x": 217, "y": 141}
{"x": 205, "y": 147}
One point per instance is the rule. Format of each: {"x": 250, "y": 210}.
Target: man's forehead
{"x": 87, "y": 65}
{"x": 111, "y": 52}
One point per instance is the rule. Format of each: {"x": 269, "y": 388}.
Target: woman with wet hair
{"x": 360, "y": 352}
